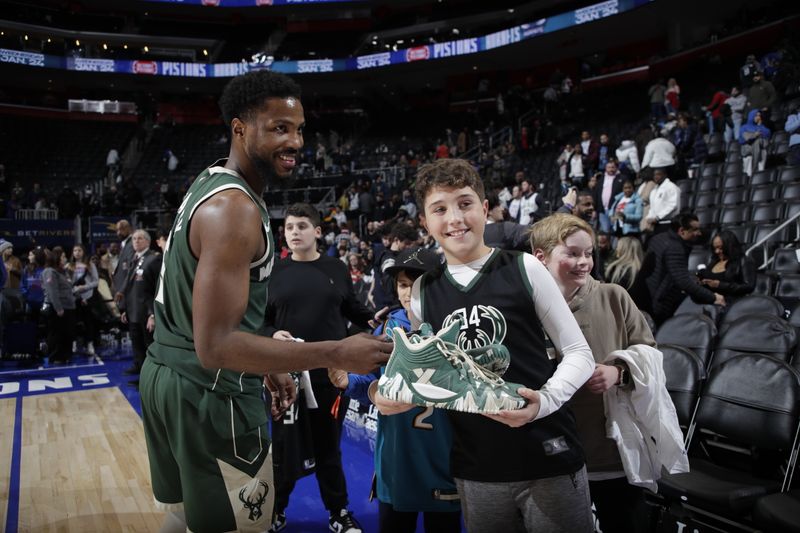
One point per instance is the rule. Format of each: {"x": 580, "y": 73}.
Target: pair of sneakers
{"x": 433, "y": 371}
{"x": 342, "y": 521}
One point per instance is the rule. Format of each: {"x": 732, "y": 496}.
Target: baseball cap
{"x": 415, "y": 259}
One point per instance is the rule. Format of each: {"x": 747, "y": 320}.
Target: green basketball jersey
{"x": 174, "y": 337}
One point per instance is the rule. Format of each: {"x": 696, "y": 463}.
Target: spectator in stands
{"x": 515, "y": 204}
{"x": 31, "y": 287}
{"x": 714, "y": 111}
{"x": 112, "y": 162}
{"x": 366, "y": 202}
{"x": 665, "y": 203}
{"x": 610, "y": 321}
{"x": 580, "y": 204}
{"x": 85, "y": 280}
{"x": 575, "y": 163}
{"x": 408, "y": 204}
{"x": 761, "y": 95}
{"x": 603, "y": 253}
{"x": 749, "y": 71}
{"x": 657, "y": 92}
{"x": 659, "y": 153}
{"x": 754, "y": 140}
{"x": 500, "y": 233}
{"x": 530, "y": 203}
{"x": 683, "y": 137}
{"x": 171, "y": 161}
{"x": 58, "y": 308}
{"x": 792, "y": 127}
{"x": 591, "y": 152}
{"x": 3, "y": 278}
{"x": 109, "y": 261}
{"x": 608, "y": 187}
{"x": 68, "y": 203}
{"x": 664, "y": 279}
{"x": 731, "y": 273}
{"x": 734, "y": 114}
{"x": 628, "y": 157}
{"x": 627, "y": 262}
{"x": 672, "y": 96}
{"x": 604, "y": 152}
{"x": 400, "y": 237}
{"x": 625, "y": 213}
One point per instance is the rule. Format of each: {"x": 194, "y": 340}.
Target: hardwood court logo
{"x": 255, "y": 499}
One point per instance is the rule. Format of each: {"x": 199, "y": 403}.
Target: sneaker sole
{"x": 396, "y": 389}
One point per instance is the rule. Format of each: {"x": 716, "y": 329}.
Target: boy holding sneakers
{"x": 519, "y": 470}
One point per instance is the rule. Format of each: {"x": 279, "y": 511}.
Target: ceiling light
{"x": 48, "y": 39}
{"x": 455, "y": 31}
{"x": 26, "y": 37}
{"x": 125, "y": 46}
{"x": 146, "y": 49}
{"x": 205, "y": 52}
{"x": 77, "y": 42}
{"x": 105, "y": 46}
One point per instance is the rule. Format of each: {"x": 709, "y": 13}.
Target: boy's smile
{"x": 456, "y": 219}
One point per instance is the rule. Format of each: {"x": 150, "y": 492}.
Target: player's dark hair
{"x": 301, "y": 210}
{"x": 245, "y": 93}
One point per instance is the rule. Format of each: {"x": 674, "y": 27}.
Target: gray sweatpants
{"x": 549, "y": 505}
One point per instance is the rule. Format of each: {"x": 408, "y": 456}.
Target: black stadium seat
{"x": 708, "y": 217}
{"x": 693, "y": 331}
{"x": 789, "y": 174}
{"x": 788, "y": 290}
{"x": 686, "y": 186}
{"x": 706, "y": 199}
{"x": 751, "y": 305}
{"x": 785, "y": 261}
{"x": 733, "y": 182}
{"x": 778, "y": 513}
{"x": 764, "y": 193}
{"x": 733, "y": 197}
{"x": 733, "y": 215}
{"x": 740, "y": 409}
{"x": 766, "y": 213}
{"x": 763, "y": 176}
{"x": 756, "y": 333}
{"x": 684, "y": 373}
{"x": 707, "y": 183}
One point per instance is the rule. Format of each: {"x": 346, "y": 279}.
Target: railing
{"x": 36, "y": 214}
{"x": 319, "y": 197}
{"x": 764, "y": 242}
{"x": 497, "y": 138}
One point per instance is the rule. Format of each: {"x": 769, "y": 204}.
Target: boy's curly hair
{"x": 449, "y": 173}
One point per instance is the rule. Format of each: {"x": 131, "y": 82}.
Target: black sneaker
{"x": 344, "y": 522}
{"x": 278, "y": 524}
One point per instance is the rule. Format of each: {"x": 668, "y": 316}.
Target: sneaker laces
{"x": 460, "y": 359}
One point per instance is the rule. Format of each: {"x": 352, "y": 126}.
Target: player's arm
{"x": 225, "y": 235}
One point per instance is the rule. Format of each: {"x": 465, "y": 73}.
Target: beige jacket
{"x": 610, "y": 321}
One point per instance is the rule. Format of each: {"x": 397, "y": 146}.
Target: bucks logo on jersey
{"x": 481, "y": 326}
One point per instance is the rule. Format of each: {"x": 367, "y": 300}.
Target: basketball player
{"x": 202, "y": 394}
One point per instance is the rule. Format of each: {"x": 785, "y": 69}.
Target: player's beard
{"x": 266, "y": 171}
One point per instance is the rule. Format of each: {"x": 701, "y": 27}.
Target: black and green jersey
{"x": 174, "y": 336}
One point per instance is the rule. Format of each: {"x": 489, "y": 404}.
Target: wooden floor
{"x": 83, "y": 464}
{"x": 7, "y": 409}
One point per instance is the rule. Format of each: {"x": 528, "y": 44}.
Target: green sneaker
{"x": 435, "y": 372}
{"x": 494, "y": 358}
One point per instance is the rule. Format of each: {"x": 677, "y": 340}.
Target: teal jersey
{"x": 174, "y": 336}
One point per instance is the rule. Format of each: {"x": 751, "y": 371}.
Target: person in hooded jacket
{"x": 754, "y": 140}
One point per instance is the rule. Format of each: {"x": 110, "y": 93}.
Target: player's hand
{"x": 523, "y": 416}
{"x": 387, "y": 406}
{"x": 151, "y": 323}
{"x": 282, "y": 335}
{"x": 284, "y": 393}
{"x": 339, "y": 378}
{"x": 123, "y": 317}
{"x": 603, "y": 378}
{"x": 361, "y": 354}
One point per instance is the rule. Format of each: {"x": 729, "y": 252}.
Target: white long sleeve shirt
{"x": 659, "y": 153}
{"x": 577, "y": 363}
{"x": 665, "y": 201}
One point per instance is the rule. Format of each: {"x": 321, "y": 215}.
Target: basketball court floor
{"x": 73, "y": 456}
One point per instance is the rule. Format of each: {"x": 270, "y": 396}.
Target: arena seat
{"x": 765, "y": 285}
{"x": 763, "y": 176}
{"x": 706, "y": 199}
{"x": 778, "y": 513}
{"x": 733, "y": 182}
{"x": 690, "y": 330}
{"x": 788, "y": 290}
{"x": 708, "y": 183}
{"x": 711, "y": 169}
{"x": 739, "y": 405}
{"x": 761, "y": 333}
{"x": 731, "y": 197}
{"x": 686, "y": 186}
{"x": 764, "y": 193}
{"x": 754, "y": 304}
{"x": 684, "y": 373}
{"x": 784, "y": 261}
{"x": 708, "y": 217}
{"x": 789, "y": 174}
{"x": 734, "y": 215}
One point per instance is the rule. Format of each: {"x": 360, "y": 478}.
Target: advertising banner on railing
{"x": 251, "y": 3}
{"x": 460, "y": 47}
{"x": 102, "y": 230}
{"x": 26, "y": 234}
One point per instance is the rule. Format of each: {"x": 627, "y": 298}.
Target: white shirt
{"x": 659, "y": 153}
{"x": 527, "y": 207}
{"x": 577, "y": 363}
{"x": 665, "y": 201}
